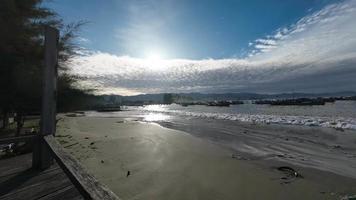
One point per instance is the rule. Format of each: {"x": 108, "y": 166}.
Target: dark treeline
{"x": 22, "y": 25}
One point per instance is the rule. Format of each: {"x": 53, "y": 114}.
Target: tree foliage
{"x": 22, "y": 25}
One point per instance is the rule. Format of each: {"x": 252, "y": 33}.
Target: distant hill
{"x": 95, "y": 101}
{"x": 236, "y": 96}
{"x": 158, "y": 98}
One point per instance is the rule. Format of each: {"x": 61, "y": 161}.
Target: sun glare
{"x": 154, "y": 61}
{"x": 154, "y": 56}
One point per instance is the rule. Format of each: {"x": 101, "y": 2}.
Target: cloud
{"x": 266, "y": 41}
{"x": 316, "y": 54}
{"x": 83, "y": 40}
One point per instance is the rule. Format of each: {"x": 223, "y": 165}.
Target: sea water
{"x": 340, "y": 114}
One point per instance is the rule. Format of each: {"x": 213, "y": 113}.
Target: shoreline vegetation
{"x": 141, "y": 160}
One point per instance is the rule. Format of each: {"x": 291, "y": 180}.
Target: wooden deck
{"x": 19, "y": 181}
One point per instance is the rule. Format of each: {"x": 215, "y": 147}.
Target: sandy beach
{"x": 140, "y": 160}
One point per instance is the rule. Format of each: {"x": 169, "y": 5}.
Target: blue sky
{"x": 182, "y": 28}
{"x": 270, "y": 46}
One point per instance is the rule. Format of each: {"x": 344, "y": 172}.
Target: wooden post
{"x": 42, "y": 158}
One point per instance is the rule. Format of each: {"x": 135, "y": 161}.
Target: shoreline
{"x": 266, "y": 116}
{"x": 171, "y": 164}
{"x": 321, "y": 148}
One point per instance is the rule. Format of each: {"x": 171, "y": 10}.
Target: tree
{"x": 21, "y": 54}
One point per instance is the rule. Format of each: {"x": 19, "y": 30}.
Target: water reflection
{"x": 153, "y": 117}
{"x": 158, "y": 108}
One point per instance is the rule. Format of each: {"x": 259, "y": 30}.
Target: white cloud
{"x": 266, "y": 41}
{"x": 316, "y": 54}
{"x": 83, "y": 40}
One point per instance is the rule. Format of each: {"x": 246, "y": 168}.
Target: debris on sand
{"x": 289, "y": 171}
{"x": 61, "y": 135}
{"x": 71, "y": 115}
{"x": 62, "y": 141}
{"x": 289, "y": 174}
{"x": 102, "y": 161}
{"x": 75, "y": 114}
{"x": 71, "y": 145}
{"x": 128, "y": 174}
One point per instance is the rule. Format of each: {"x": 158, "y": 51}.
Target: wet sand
{"x": 325, "y": 149}
{"x": 170, "y": 164}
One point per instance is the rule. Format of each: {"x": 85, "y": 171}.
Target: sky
{"x": 214, "y": 46}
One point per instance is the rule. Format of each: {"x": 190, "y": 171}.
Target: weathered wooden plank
{"x": 31, "y": 181}
{"x": 39, "y": 188}
{"x": 87, "y": 185}
{"x": 29, "y": 175}
{"x": 11, "y": 170}
{"x": 11, "y": 165}
{"x": 67, "y": 193}
{"x": 26, "y": 183}
{"x": 23, "y": 138}
{"x": 18, "y": 170}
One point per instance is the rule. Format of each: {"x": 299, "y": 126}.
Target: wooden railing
{"x": 87, "y": 185}
{"x": 24, "y": 138}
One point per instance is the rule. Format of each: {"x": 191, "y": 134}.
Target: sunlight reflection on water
{"x": 152, "y": 117}
{"x": 156, "y": 108}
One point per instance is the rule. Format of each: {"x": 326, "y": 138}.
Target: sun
{"x": 154, "y": 61}
{"x": 154, "y": 56}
